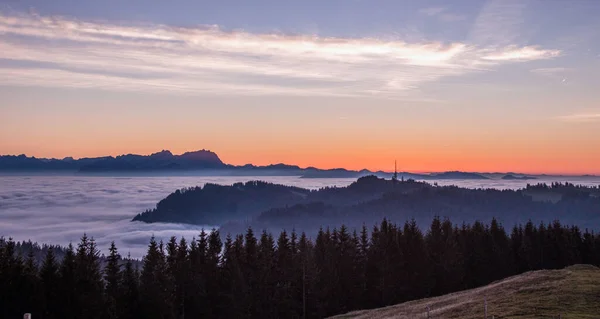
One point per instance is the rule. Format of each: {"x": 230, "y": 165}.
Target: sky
{"x": 486, "y": 85}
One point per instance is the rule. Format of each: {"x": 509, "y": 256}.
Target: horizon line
{"x": 508, "y": 172}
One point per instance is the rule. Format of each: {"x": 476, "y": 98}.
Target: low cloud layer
{"x": 64, "y": 52}
{"x": 59, "y": 209}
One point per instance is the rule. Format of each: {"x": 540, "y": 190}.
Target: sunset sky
{"x": 497, "y": 85}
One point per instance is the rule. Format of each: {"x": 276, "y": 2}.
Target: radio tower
{"x": 395, "y": 177}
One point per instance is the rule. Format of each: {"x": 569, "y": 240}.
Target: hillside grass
{"x": 573, "y": 292}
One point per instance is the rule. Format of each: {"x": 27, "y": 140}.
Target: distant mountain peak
{"x": 163, "y": 153}
{"x": 201, "y": 155}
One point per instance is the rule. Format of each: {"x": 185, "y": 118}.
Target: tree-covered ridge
{"x": 291, "y": 276}
{"x": 39, "y": 251}
{"x": 213, "y": 203}
{"x": 423, "y": 203}
{"x": 216, "y": 204}
{"x": 274, "y": 207}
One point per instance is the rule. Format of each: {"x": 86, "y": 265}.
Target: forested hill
{"x": 422, "y": 202}
{"x": 275, "y": 207}
{"x": 289, "y": 275}
{"x": 216, "y": 204}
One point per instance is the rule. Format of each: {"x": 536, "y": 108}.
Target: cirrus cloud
{"x": 65, "y": 52}
{"x": 528, "y": 53}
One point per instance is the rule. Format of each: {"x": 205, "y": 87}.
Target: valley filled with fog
{"x": 59, "y": 209}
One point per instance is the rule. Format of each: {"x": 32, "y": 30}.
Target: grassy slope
{"x": 573, "y": 292}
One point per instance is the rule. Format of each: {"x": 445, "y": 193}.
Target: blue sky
{"x": 458, "y": 74}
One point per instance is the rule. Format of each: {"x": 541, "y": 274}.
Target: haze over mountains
{"x": 205, "y": 162}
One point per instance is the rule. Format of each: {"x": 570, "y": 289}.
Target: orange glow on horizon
{"x": 417, "y": 149}
{"x": 415, "y": 162}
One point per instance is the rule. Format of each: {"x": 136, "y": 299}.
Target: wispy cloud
{"x": 552, "y": 71}
{"x": 581, "y": 117}
{"x": 63, "y": 52}
{"x": 529, "y": 53}
{"x": 442, "y": 14}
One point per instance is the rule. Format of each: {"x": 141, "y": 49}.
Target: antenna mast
{"x": 395, "y": 177}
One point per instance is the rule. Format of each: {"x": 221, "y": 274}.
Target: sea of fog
{"x": 59, "y": 209}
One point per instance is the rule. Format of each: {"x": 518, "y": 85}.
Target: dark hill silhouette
{"x": 163, "y": 160}
{"x": 276, "y": 207}
{"x": 216, "y": 204}
{"x": 509, "y": 177}
{"x": 213, "y": 204}
{"x": 24, "y": 163}
{"x": 424, "y": 203}
{"x": 457, "y": 175}
{"x": 203, "y": 162}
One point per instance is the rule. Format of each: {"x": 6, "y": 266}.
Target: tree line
{"x": 292, "y": 276}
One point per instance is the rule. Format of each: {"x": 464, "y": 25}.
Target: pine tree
{"x": 436, "y": 247}
{"x": 444, "y": 257}
{"x": 373, "y": 293}
{"x": 66, "y": 289}
{"x": 415, "y": 261}
{"x": 182, "y": 278}
{"x": 453, "y": 258}
{"x": 575, "y": 243}
{"x": 267, "y": 277}
{"x": 112, "y": 277}
{"x": 228, "y": 307}
{"x": 500, "y": 265}
{"x": 388, "y": 266}
{"x": 50, "y": 280}
{"x": 587, "y": 248}
{"x": 155, "y": 293}
{"x": 196, "y": 299}
{"x": 296, "y": 275}
{"x": 478, "y": 251}
{"x": 361, "y": 270}
{"x": 344, "y": 256}
{"x": 251, "y": 274}
{"x": 88, "y": 280}
{"x": 325, "y": 276}
{"x": 212, "y": 276}
{"x": 308, "y": 272}
{"x": 517, "y": 249}
{"x": 31, "y": 295}
{"x": 128, "y": 302}
{"x": 283, "y": 265}
{"x": 173, "y": 268}
{"x": 11, "y": 274}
